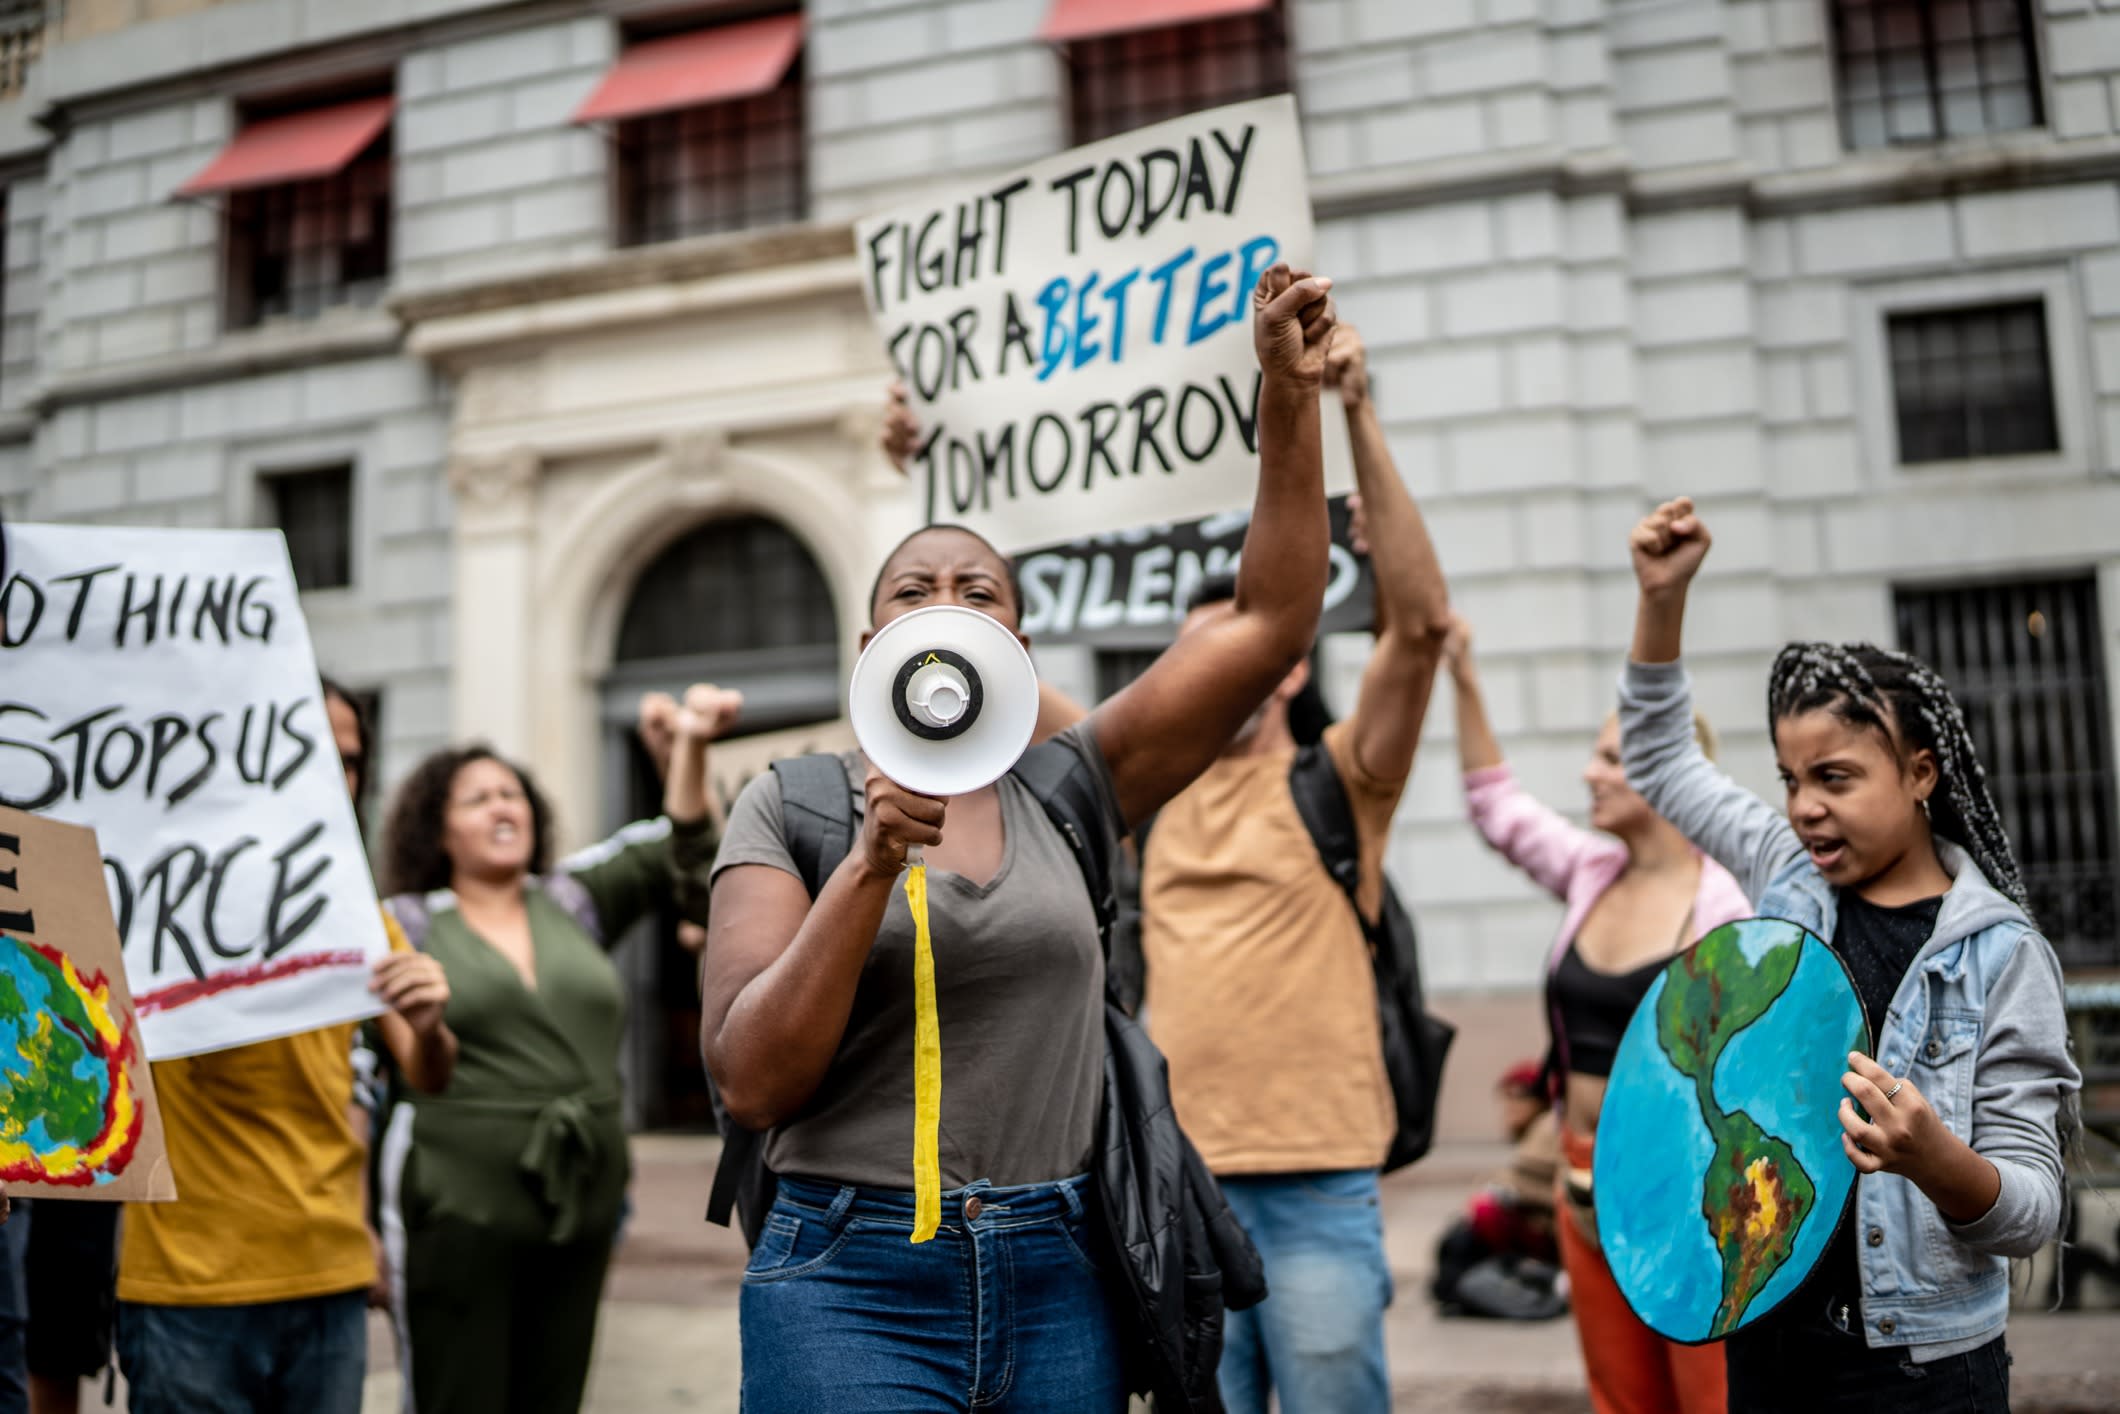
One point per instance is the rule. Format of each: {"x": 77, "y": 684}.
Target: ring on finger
{"x": 1893, "y": 1093}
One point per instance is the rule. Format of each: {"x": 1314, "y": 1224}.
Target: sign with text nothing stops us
{"x": 159, "y": 686}
{"x": 1076, "y": 336}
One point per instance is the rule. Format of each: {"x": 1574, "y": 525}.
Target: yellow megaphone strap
{"x": 927, "y": 1066}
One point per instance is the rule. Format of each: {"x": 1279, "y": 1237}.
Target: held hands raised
{"x": 894, "y": 820}
{"x": 1292, "y": 324}
{"x": 1669, "y": 544}
{"x": 901, "y": 428}
{"x": 1347, "y": 369}
{"x": 1457, "y": 648}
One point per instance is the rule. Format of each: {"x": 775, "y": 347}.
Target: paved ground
{"x": 668, "y": 1339}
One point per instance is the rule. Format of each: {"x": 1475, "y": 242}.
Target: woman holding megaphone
{"x": 809, "y": 1007}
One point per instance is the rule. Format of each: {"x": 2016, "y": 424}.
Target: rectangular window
{"x": 314, "y": 510}
{"x": 721, "y": 167}
{"x": 1920, "y": 71}
{"x": 2024, "y": 660}
{"x": 299, "y": 248}
{"x": 1123, "y": 81}
{"x": 1973, "y": 382}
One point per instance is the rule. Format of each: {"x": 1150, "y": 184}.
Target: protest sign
{"x": 77, "y": 1098}
{"x": 1076, "y": 336}
{"x": 159, "y": 686}
{"x": 1130, "y": 587}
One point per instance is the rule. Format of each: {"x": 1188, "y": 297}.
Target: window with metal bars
{"x": 314, "y": 510}
{"x": 1125, "y": 81}
{"x": 1972, "y": 382}
{"x": 1918, "y": 71}
{"x": 298, "y": 249}
{"x": 739, "y": 585}
{"x": 2024, "y": 659}
{"x": 718, "y": 167}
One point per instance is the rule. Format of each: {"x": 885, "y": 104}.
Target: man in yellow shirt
{"x": 250, "y": 1292}
{"x": 1260, "y": 991}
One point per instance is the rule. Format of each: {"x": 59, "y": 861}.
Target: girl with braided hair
{"x": 1890, "y": 847}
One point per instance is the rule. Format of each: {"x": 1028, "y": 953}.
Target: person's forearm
{"x": 1659, "y": 623}
{"x": 686, "y": 797}
{"x": 426, "y": 1060}
{"x": 1287, "y": 555}
{"x": 1413, "y": 600}
{"x": 779, "y": 1035}
{"x": 1477, "y": 748}
{"x": 1962, "y": 1184}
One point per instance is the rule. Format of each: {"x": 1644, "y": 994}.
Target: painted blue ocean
{"x": 1653, "y": 1148}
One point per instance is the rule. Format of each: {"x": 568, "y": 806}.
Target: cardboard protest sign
{"x": 1076, "y": 336}
{"x": 77, "y": 1097}
{"x": 159, "y": 686}
{"x": 1130, "y": 587}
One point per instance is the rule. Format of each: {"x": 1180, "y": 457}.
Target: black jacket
{"x": 1185, "y": 1256}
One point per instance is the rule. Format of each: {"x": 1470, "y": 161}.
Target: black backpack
{"x": 1416, "y": 1041}
{"x": 816, "y": 804}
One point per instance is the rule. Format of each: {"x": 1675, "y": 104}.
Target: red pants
{"x": 1632, "y": 1369}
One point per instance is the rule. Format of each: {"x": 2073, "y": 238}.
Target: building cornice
{"x": 632, "y": 286}
{"x": 335, "y": 338}
{"x": 2009, "y": 163}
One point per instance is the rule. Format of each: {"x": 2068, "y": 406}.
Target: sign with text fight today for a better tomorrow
{"x": 1076, "y": 336}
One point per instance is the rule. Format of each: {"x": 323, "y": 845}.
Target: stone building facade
{"x": 1603, "y": 250}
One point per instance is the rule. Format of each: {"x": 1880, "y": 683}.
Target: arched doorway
{"x": 739, "y": 602}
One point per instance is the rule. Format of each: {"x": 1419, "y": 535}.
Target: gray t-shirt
{"x": 1019, "y": 986}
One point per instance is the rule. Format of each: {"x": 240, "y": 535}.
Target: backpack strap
{"x": 1061, "y": 781}
{"x": 817, "y": 817}
{"x": 1321, "y": 799}
{"x": 817, "y": 814}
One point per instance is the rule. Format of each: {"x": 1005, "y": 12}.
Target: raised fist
{"x": 1668, "y": 546}
{"x": 1292, "y": 324}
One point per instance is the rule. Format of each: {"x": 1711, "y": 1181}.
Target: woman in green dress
{"x": 509, "y": 1183}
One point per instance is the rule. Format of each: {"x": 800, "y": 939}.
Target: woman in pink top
{"x": 1636, "y": 892}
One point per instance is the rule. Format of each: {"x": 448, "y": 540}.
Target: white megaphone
{"x": 943, "y": 700}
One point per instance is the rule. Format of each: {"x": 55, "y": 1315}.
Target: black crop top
{"x": 1594, "y": 1008}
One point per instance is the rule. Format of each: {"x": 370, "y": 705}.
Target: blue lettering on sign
{"x": 1086, "y": 323}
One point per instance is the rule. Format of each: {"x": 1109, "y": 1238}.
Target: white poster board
{"x": 1076, "y": 336}
{"x": 159, "y": 686}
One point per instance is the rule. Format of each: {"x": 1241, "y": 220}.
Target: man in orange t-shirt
{"x": 1260, "y": 991}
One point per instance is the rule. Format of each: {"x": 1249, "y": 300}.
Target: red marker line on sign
{"x": 183, "y": 993}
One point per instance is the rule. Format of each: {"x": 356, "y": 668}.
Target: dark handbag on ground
{"x": 1416, "y": 1042}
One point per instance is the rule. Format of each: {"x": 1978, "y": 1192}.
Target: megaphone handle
{"x": 915, "y": 856}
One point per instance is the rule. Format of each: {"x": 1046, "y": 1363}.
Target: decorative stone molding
{"x": 496, "y": 493}
{"x": 695, "y": 454}
{"x": 503, "y": 392}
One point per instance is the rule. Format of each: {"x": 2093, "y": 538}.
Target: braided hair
{"x": 1869, "y": 686}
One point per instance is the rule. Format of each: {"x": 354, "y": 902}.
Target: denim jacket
{"x": 1976, "y": 1025}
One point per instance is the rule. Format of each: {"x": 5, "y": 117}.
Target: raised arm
{"x": 1743, "y": 833}
{"x": 1527, "y": 832}
{"x": 1172, "y": 721}
{"x": 635, "y": 870}
{"x": 1412, "y": 602}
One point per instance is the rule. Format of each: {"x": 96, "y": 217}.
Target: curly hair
{"x": 414, "y": 861}
{"x": 1903, "y": 698}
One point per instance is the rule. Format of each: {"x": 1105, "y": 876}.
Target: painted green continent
{"x": 1755, "y": 1196}
{"x": 50, "y": 1042}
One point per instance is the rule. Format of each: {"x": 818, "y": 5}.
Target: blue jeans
{"x": 1003, "y": 1310}
{"x": 1317, "y": 1340}
{"x": 307, "y": 1356}
{"x": 14, "y": 1312}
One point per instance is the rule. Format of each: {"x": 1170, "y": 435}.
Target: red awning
{"x": 687, "y": 70}
{"x": 1093, "y": 19}
{"x": 294, "y": 148}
